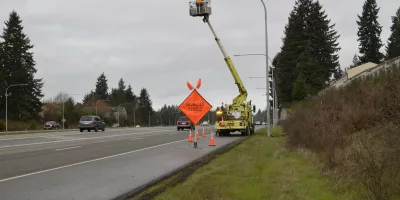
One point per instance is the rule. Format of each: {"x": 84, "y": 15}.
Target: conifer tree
{"x": 369, "y": 33}
{"x": 300, "y": 90}
{"x": 393, "y": 46}
{"x": 18, "y": 67}
{"x": 101, "y": 90}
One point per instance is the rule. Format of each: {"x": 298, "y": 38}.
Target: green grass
{"x": 259, "y": 168}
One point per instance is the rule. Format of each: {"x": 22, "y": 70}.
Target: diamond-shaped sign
{"x": 195, "y": 107}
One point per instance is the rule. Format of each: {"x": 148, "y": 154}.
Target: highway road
{"x": 95, "y": 165}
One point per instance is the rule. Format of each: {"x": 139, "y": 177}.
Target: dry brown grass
{"x": 356, "y": 133}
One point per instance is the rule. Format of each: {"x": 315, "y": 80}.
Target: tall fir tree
{"x": 101, "y": 90}
{"x": 369, "y": 33}
{"x": 145, "y": 106}
{"x": 117, "y": 95}
{"x": 19, "y": 68}
{"x": 131, "y": 99}
{"x": 393, "y": 46}
{"x": 323, "y": 46}
{"x": 293, "y": 43}
{"x": 309, "y": 47}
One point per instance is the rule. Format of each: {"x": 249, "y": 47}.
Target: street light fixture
{"x": 6, "y": 94}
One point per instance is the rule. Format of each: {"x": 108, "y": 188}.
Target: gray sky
{"x": 157, "y": 45}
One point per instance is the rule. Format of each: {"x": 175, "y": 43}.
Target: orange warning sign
{"x": 194, "y": 107}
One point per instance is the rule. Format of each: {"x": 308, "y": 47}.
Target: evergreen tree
{"x": 356, "y": 61}
{"x": 101, "y": 90}
{"x": 369, "y": 32}
{"x": 145, "y": 107}
{"x": 311, "y": 70}
{"x": 300, "y": 90}
{"x": 18, "y": 67}
{"x": 118, "y": 95}
{"x": 130, "y": 98}
{"x": 292, "y": 47}
{"x": 309, "y": 47}
{"x": 121, "y": 85}
{"x": 393, "y": 46}
{"x": 322, "y": 45}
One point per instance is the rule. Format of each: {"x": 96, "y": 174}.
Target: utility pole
{"x": 7, "y": 102}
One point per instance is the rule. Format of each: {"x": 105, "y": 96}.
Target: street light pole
{"x": 7, "y": 102}
{"x": 266, "y": 54}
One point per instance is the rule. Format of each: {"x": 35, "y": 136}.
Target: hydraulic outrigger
{"x": 238, "y": 115}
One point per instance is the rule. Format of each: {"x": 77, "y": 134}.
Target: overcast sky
{"x": 157, "y": 45}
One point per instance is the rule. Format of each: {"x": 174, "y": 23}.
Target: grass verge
{"x": 258, "y": 168}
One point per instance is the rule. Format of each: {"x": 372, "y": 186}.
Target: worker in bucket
{"x": 199, "y": 5}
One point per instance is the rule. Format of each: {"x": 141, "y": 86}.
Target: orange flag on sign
{"x": 198, "y": 83}
{"x": 189, "y": 85}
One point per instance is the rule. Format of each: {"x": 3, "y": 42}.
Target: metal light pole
{"x": 7, "y": 102}
{"x": 266, "y": 54}
{"x": 99, "y": 101}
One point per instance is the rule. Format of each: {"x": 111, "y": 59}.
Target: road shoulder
{"x": 258, "y": 168}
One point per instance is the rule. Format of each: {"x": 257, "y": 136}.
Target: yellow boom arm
{"x": 241, "y": 98}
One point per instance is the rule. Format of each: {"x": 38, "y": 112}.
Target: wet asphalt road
{"x": 102, "y": 165}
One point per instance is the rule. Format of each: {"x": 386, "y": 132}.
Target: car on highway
{"x": 91, "y": 122}
{"x": 257, "y": 123}
{"x": 184, "y": 123}
{"x": 50, "y": 125}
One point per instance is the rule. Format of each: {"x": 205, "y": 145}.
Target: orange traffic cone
{"x": 203, "y": 134}
{"x": 197, "y": 134}
{"x": 190, "y": 137}
{"x": 211, "y": 141}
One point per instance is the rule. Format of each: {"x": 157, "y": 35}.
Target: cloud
{"x": 157, "y": 45}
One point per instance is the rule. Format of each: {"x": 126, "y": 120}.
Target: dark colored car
{"x": 50, "y": 125}
{"x": 90, "y": 122}
{"x": 184, "y": 123}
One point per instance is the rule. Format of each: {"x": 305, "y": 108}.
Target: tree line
{"x": 308, "y": 59}
{"x": 27, "y": 110}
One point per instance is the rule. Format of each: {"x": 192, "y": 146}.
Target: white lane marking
{"x": 69, "y": 133}
{"x": 100, "y": 137}
{"x": 88, "y": 161}
{"x": 173, "y": 134}
{"x": 59, "y": 137}
{"x": 68, "y": 148}
{"x": 136, "y": 138}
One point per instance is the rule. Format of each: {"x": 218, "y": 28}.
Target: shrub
{"x": 355, "y": 131}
